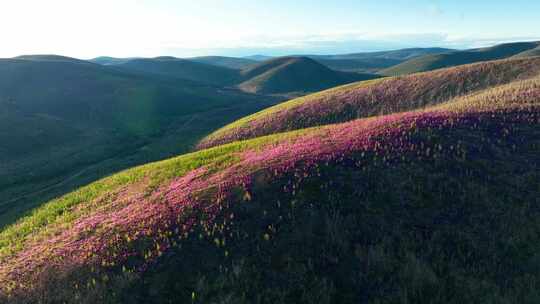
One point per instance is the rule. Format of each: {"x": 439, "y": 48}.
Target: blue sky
{"x": 181, "y": 28}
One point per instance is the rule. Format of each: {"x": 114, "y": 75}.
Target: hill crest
{"x": 290, "y": 74}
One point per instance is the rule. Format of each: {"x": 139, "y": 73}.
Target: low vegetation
{"x": 404, "y": 207}
{"x": 376, "y": 97}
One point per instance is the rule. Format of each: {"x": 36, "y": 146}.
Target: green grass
{"x": 58, "y": 213}
{"x": 293, "y": 103}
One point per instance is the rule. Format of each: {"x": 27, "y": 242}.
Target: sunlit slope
{"x": 375, "y": 97}
{"x": 402, "y": 207}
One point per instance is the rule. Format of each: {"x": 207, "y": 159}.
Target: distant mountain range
{"x": 373, "y": 61}
{"x": 454, "y": 58}
{"x": 356, "y": 62}
{"x": 283, "y": 75}
{"x": 386, "y": 63}
{"x": 227, "y": 62}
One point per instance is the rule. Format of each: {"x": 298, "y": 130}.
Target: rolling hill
{"x": 373, "y": 61}
{"x": 294, "y": 74}
{"x": 528, "y": 53}
{"x": 435, "y": 203}
{"x": 106, "y": 60}
{"x": 66, "y": 122}
{"x": 53, "y": 58}
{"x": 375, "y": 97}
{"x": 400, "y": 54}
{"x": 279, "y": 76}
{"x": 259, "y": 57}
{"x": 182, "y": 69}
{"x": 367, "y": 65}
{"x": 227, "y": 62}
{"x": 432, "y": 62}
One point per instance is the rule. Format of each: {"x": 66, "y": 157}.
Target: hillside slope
{"x": 375, "y": 97}
{"x": 54, "y": 58}
{"x": 294, "y": 74}
{"x": 258, "y": 57}
{"x": 285, "y": 75}
{"x": 373, "y": 61}
{"x": 432, "y": 62}
{"x": 438, "y": 204}
{"x": 106, "y": 60}
{"x": 401, "y": 54}
{"x": 183, "y": 69}
{"x": 368, "y": 65}
{"x": 228, "y": 62}
{"x": 528, "y": 53}
{"x": 66, "y": 122}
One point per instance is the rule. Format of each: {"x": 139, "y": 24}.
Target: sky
{"x": 147, "y": 28}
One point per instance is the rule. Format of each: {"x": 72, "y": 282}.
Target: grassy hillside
{"x": 67, "y": 122}
{"x": 432, "y": 205}
{"x": 375, "y": 97}
{"x": 528, "y": 53}
{"x": 432, "y": 62}
{"x": 228, "y": 62}
{"x": 294, "y": 74}
{"x": 183, "y": 69}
